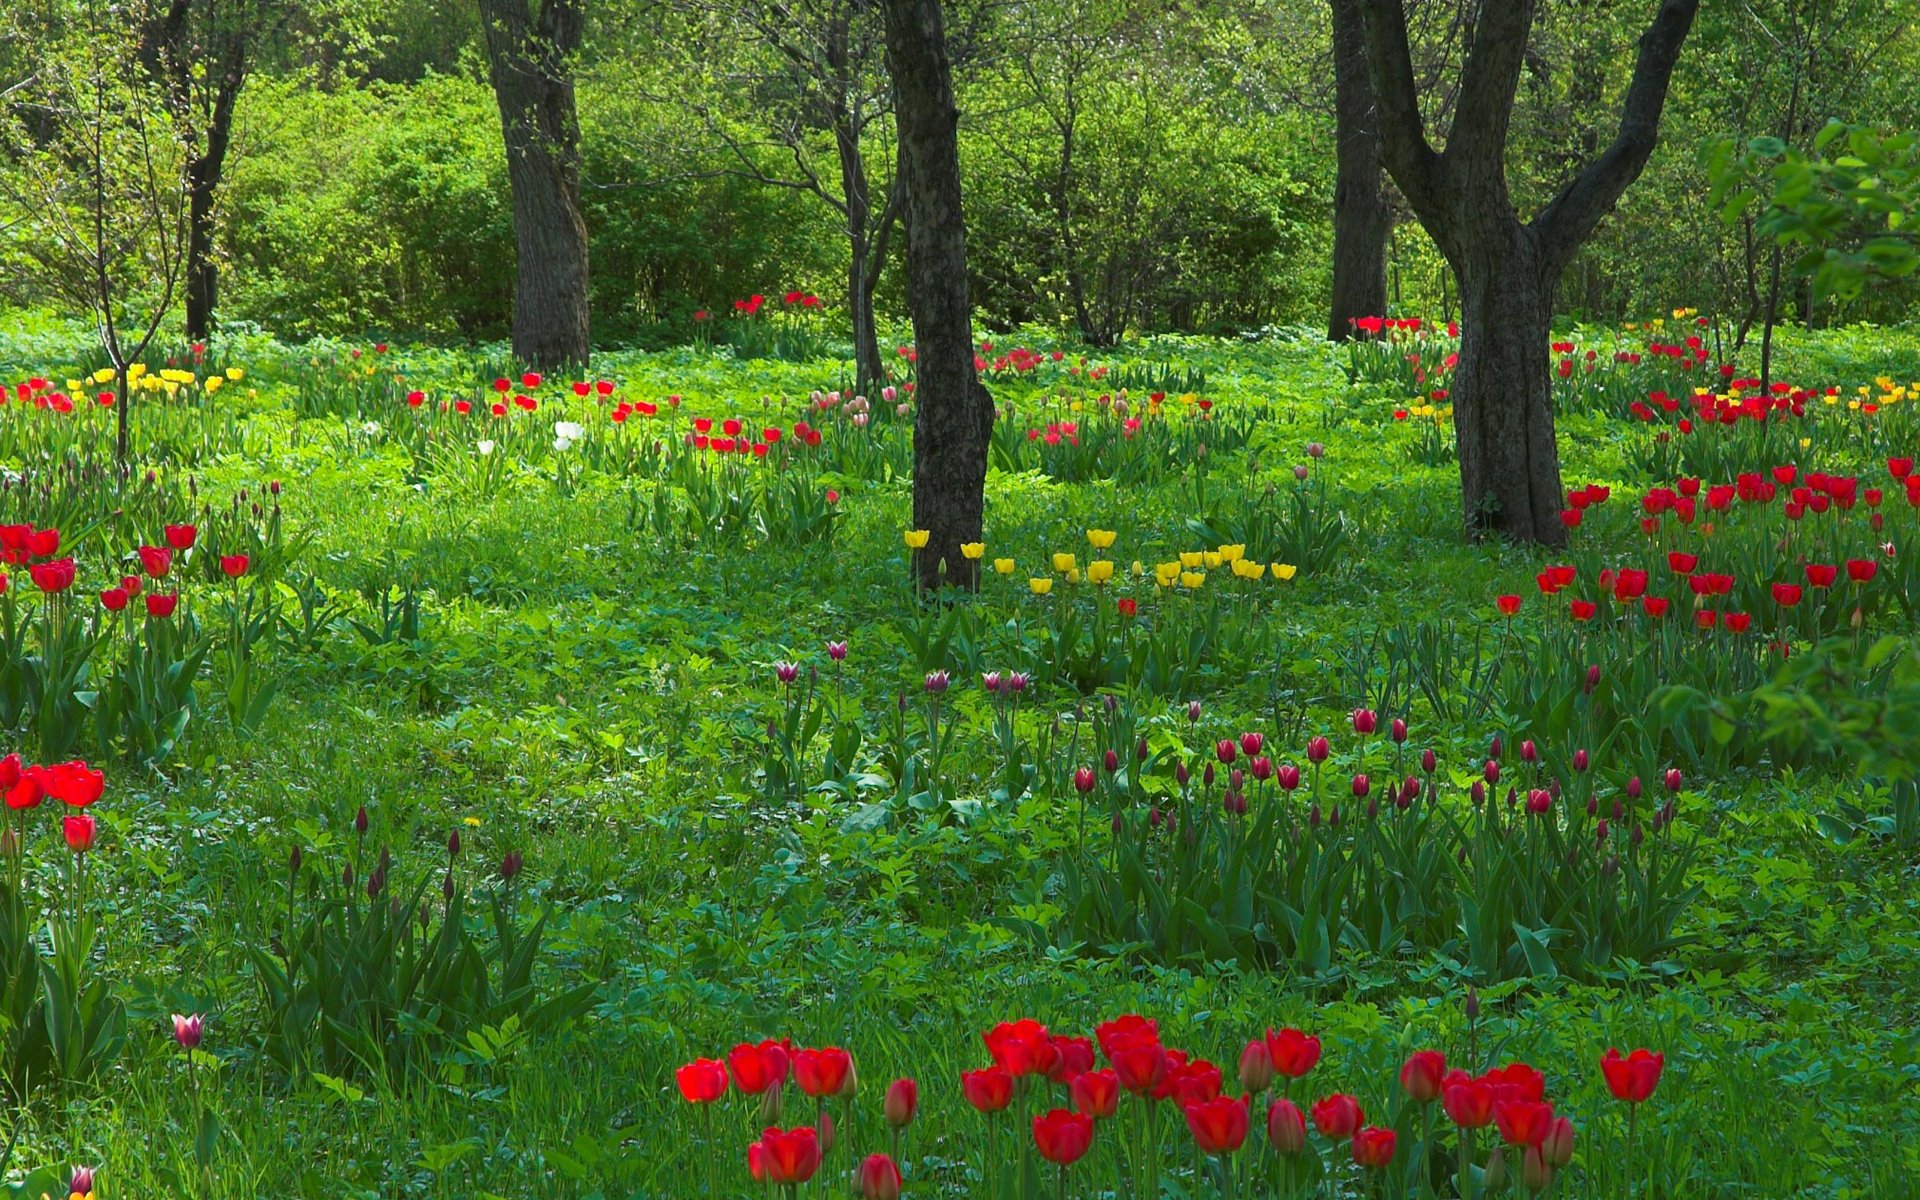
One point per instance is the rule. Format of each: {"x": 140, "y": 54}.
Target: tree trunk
{"x": 862, "y": 269}
{"x": 1502, "y": 392}
{"x": 953, "y": 415}
{"x": 1360, "y": 217}
{"x": 533, "y": 85}
{"x": 202, "y": 273}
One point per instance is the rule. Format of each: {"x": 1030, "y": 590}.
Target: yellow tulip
{"x": 1233, "y": 553}
{"x": 1073, "y": 575}
{"x": 917, "y": 538}
{"x": 1040, "y": 586}
{"x": 103, "y": 375}
{"x": 1099, "y": 571}
{"x": 1138, "y": 570}
{"x": 235, "y": 374}
{"x": 1165, "y": 581}
{"x": 1003, "y": 566}
{"x": 1063, "y": 563}
{"x": 1284, "y": 571}
{"x": 1100, "y": 539}
{"x": 1192, "y": 579}
{"x": 213, "y": 384}
{"x": 1256, "y": 570}
{"x": 1190, "y": 559}
{"x": 136, "y": 370}
{"x": 1213, "y": 559}
{"x": 972, "y": 550}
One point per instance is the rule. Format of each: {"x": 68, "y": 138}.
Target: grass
{"x": 595, "y": 696}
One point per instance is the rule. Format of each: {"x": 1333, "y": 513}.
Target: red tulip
{"x": 1900, "y": 468}
{"x": 879, "y": 1178}
{"x": 43, "y": 543}
{"x": 1682, "y": 564}
{"x": 758, "y": 1069}
{"x": 530, "y": 380}
{"x": 822, "y": 1072}
{"x": 1508, "y": 605}
{"x": 1633, "y": 1077}
{"x": 1224, "y": 750}
{"x": 1256, "y": 1067}
{"x": 1062, "y": 1136}
{"x": 114, "y": 599}
{"x": 1022, "y": 1047}
{"x": 1219, "y": 1126}
{"x": 1516, "y": 1081}
{"x": 988, "y": 1090}
{"x": 1364, "y": 721}
{"x": 1293, "y": 1052}
{"x": 1128, "y": 606}
{"x": 1338, "y": 1116}
{"x": 233, "y": 565}
{"x": 1421, "y": 1075}
{"x": 1582, "y": 610}
{"x": 1860, "y": 570}
{"x": 156, "y": 561}
{"x": 1522, "y": 1122}
{"x": 903, "y": 1100}
{"x": 161, "y": 606}
{"x": 1286, "y": 1127}
{"x": 791, "y": 1156}
{"x": 74, "y": 784}
{"x": 1786, "y": 595}
{"x": 1469, "y": 1102}
{"x": 1072, "y": 1055}
{"x": 1373, "y": 1146}
{"x": 52, "y": 577}
{"x": 1095, "y": 1093}
{"x": 702, "y": 1081}
{"x": 1821, "y": 575}
{"x": 181, "y": 537}
{"x": 79, "y": 831}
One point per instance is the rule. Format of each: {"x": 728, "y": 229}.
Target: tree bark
{"x": 1360, "y": 216}
{"x": 533, "y": 84}
{"x": 1507, "y": 271}
{"x": 953, "y": 414}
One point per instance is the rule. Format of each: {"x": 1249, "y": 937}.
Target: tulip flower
{"x": 1062, "y": 1136}
{"x": 1522, "y": 1122}
{"x": 916, "y": 539}
{"x": 233, "y": 566}
{"x": 791, "y": 1156}
{"x": 1095, "y": 1093}
{"x": 879, "y": 1178}
{"x": 1286, "y": 1127}
{"x": 1338, "y": 1116}
{"x": 758, "y": 1069}
{"x": 1557, "y": 1147}
{"x": 79, "y": 832}
{"x": 823, "y": 1072}
{"x": 156, "y": 561}
{"x": 1508, "y": 605}
{"x": 903, "y": 1100}
{"x": 1219, "y": 1126}
{"x": 80, "y": 1184}
{"x": 1468, "y": 1102}
{"x": 1632, "y": 1078}
{"x": 1292, "y": 1052}
{"x": 161, "y": 606}
{"x": 989, "y": 1090}
{"x": 1421, "y": 1075}
{"x": 1373, "y": 1147}
{"x": 188, "y": 1031}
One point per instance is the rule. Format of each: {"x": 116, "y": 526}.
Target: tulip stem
{"x": 1633, "y": 1111}
{"x": 1466, "y": 1164}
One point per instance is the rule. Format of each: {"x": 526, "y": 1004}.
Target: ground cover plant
{"x": 437, "y": 777}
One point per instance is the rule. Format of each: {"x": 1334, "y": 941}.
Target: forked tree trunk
{"x": 533, "y": 85}
{"x": 1360, "y": 217}
{"x": 953, "y": 415}
{"x": 1507, "y": 270}
{"x": 862, "y": 271}
{"x": 1502, "y": 391}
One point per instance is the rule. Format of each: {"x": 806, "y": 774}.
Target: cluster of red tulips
{"x": 1062, "y": 1096}
{"x": 733, "y": 437}
{"x": 37, "y": 548}
{"x": 74, "y": 784}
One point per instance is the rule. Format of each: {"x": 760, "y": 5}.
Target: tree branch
{"x": 1409, "y": 157}
{"x": 1573, "y": 215}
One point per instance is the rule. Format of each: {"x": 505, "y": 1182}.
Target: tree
{"x": 529, "y": 60}
{"x": 953, "y": 416}
{"x": 203, "y": 51}
{"x": 1507, "y": 271}
{"x": 93, "y": 167}
{"x": 813, "y": 72}
{"x": 1360, "y": 215}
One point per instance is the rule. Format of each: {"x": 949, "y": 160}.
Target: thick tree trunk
{"x": 1360, "y": 216}
{"x": 862, "y": 269}
{"x": 953, "y": 415}
{"x": 533, "y": 85}
{"x": 1502, "y": 392}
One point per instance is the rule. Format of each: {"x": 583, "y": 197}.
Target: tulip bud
{"x": 1399, "y": 730}
{"x": 1360, "y": 787}
{"x": 1333, "y": 818}
{"x": 1256, "y": 1067}
{"x": 360, "y": 821}
{"x": 1619, "y": 809}
{"x": 1317, "y": 749}
{"x": 1637, "y": 836}
{"x": 453, "y": 844}
{"x": 1491, "y": 772}
{"x": 1633, "y": 788}
{"x": 1611, "y": 867}
{"x": 1672, "y": 779}
{"x": 1289, "y": 776}
{"x": 1593, "y": 677}
{"x": 1206, "y": 775}
{"x": 346, "y": 877}
{"x": 1494, "y": 748}
{"x": 1111, "y": 762}
{"x": 1181, "y": 775}
{"x": 1224, "y": 750}
{"x": 1496, "y": 1173}
{"x": 903, "y": 1100}
{"x": 9, "y": 842}
{"x": 1084, "y": 780}
{"x": 81, "y": 1182}
{"x": 1427, "y": 761}
{"x": 1477, "y": 793}
{"x": 1558, "y": 1147}
{"x": 772, "y": 1104}
{"x": 1593, "y": 805}
{"x": 1193, "y": 710}
{"x": 1140, "y": 751}
{"x": 1580, "y": 760}
{"x": 1472, "y": 1005}
{"x": 1236, "y": 779}
{"x": 879, "y": 1178}
{"x": 510, "y": 865}
{"x": 850, "y": 1086}
{"x": 1287, "y": 1127}
{"x": 1535, "y": 1171}
{"x": 1364, "y": 721}
{"x": 1116, "y": 824}
{"x": 446, "y": 890}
